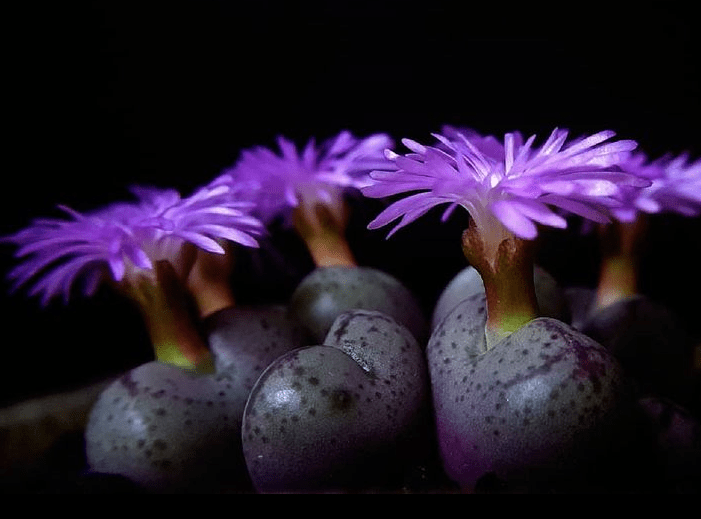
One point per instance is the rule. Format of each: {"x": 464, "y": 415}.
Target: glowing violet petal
{"x": 538, "y": 212}
{"x": 675, "y": 185}
{"x": 58, "y": 281}
{"x": 408, "y": 208}
{"x": 514, "y": 220}
{"x": 229, "y": 233}
{"x": 512, "y": 180}
{"x": 648, "y": 205}
{"x": 27, "y": 269}
{"x": 341, "y": 162}
{"x": 125, "y": 236}
{"x": 588, "y": 211}
{"x": 117, "y": 267}
{"x": 203, "y": 242}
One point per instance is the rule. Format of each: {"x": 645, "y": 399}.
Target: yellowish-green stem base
{"x": 621, "y": 244}
{"x": 169, "y": 323}
{"x": 618, "y": 280}
{"x": 506, "y": 269}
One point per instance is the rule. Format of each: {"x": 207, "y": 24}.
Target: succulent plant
{"x": 675, "y": 187}
{"x": 515, "y": 395}
{"x": 168, "y": 429}
{"x": 647, "y": 338}
{"x": 165, "y": 423}
{"x": 333, "y": 391}
{"x": 345, "y": 415}
{"x": 545, "y": 408}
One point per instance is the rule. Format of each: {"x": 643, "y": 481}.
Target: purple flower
{"x": 511, "y": 183}
{"x": 676, "y": 186}
{"x": 126, "y": 237}
{"x": 277, "y": 183}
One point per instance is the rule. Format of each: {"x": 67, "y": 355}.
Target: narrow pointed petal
{"x": 514, "y": 220}
{"x": 513, "y": 179}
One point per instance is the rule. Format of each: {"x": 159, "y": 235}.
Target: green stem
{"x": 506, "y": 267}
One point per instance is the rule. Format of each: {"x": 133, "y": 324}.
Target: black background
{"x": 103, "y": 94}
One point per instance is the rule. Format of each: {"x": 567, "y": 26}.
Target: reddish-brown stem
{"x": 323, "y": 230}
{"x": 209, "y": 281}
{"x": 506, "y": 269}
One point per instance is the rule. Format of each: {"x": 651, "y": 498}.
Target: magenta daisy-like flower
{"x": 675, "y": 186}
{"x": 314, "y": 174}
{"x": 126, "y": 237}
{"x": 506, "y": 185}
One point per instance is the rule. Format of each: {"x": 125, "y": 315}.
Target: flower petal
{"x": 515, "y": 181}
{"x": 514, "y": 220}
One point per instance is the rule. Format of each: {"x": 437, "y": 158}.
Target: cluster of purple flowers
{"x": 507, "y": 185}
{"x": 125, "y": 238}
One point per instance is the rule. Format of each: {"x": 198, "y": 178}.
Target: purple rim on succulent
{"x": 508, "y": 187}
{"x": 127, "y": 237}
{"x": 315, "y": 174}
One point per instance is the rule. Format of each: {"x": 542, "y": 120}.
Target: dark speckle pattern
{"x": 244, "y": 340}
{"x": 170, "y": 428}
{"x": 319, "y": 412}
{"x": 138, "y": 431}
{"x": 542, "y": 400}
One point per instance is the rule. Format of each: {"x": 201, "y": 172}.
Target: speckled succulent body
{"x": 334, "y": 416}
{"x": 327, "y": 292}
{"x": 245, "y": 340}
{"x": 167, "y": 429}
{"x": 545, "y": 402}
